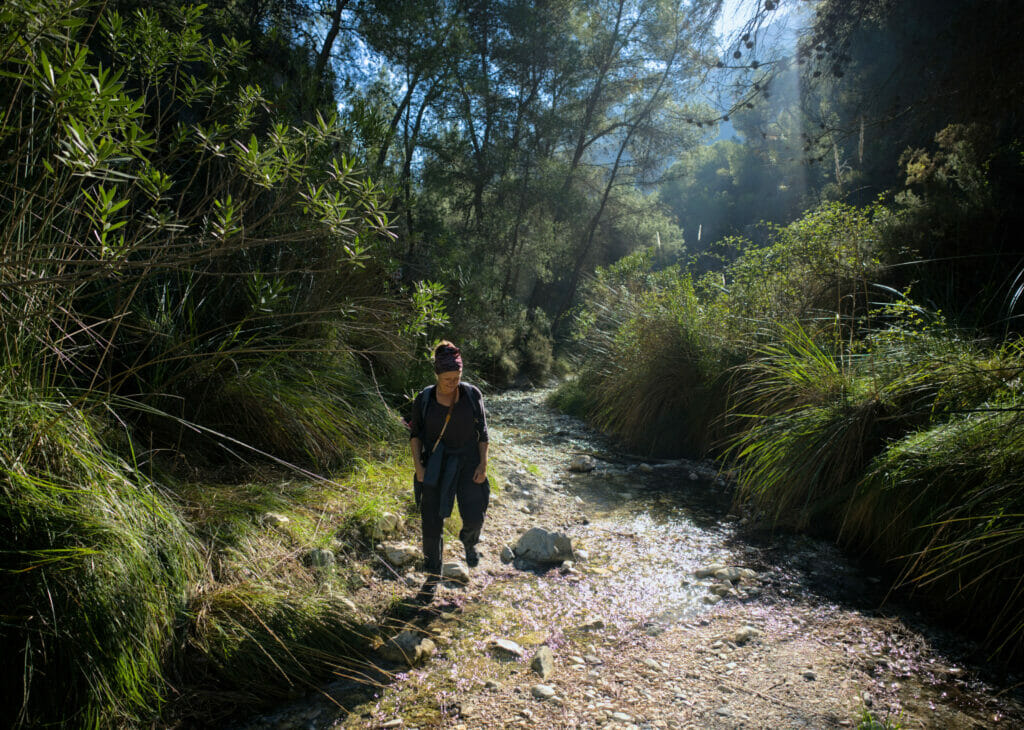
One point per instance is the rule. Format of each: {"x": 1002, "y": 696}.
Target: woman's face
{"x": 448, "y": 382}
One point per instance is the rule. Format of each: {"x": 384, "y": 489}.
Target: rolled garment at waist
{"x": 458, "y": 464}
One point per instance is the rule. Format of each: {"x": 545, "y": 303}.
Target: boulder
{"x": 540, "y": 546}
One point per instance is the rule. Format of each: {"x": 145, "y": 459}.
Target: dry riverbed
{"x": 640, "y": 631}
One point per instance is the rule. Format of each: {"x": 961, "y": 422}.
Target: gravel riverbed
{"x": 640, "y": 633}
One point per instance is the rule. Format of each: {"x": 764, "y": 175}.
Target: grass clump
{"x": 947, "y": 502}
{"x": 97, "y": 570}
{"x": 287, "y": 558}
{"x": 654, "y": 372}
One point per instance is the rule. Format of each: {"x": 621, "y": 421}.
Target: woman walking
{"x": 448, "y": 437}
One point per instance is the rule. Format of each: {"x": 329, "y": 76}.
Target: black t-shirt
{"x": 463, "y": 429}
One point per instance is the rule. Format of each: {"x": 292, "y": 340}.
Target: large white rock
{"x": 541, "y": 546}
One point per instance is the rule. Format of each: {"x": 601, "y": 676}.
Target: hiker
{"x": 448, "y": 437}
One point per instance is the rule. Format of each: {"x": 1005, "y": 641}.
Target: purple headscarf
{"x": 447, "y": 358}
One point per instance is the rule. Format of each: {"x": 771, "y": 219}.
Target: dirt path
{"x": 637, "y": 638}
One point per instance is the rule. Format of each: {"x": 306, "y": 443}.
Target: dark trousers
{"x": 472, "y": 499}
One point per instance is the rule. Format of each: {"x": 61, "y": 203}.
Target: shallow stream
{"x": 639, "y": 639}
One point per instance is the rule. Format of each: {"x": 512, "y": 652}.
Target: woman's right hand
{"x": 420, "y": 472}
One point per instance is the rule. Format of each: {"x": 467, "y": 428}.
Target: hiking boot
{"x": 472, "y": 557}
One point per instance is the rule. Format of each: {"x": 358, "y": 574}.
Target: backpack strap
{"x": 425, "y": 401}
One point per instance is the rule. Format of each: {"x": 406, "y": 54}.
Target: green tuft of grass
{"x": 96, "y": 571}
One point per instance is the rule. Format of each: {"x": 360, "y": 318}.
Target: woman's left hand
{"x": 480, "y": 474}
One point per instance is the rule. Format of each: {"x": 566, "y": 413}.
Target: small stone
{"x": 651, "y": 663}
{"x": 456, "y": 572}
{"x": 508, "y": 646}
{"x": 711, "y": 599}
{"x": 273, "y": 519}
{"x": 542, "y": 691}
{"x": 733, "y": 573}
{"x": 592, "y": 625}
{"x": 320, "y": 558}
{"x": 397, "y": 722}
{"x": 543, "y": 662}
{"x": 582, "y": 463}
{"x": 723, "y": 712}
{"x": 492, "y": 685}
{"x": 581, "y": 556}
{"x": 745, "y": 634}
{"x": 567, "y": 566}
{"x": 386, "y": 524}
{"x": 400, "y": 555}
{"x": 507, "y": 556}
{"x": 408, "y": 647}
{"x": 809, "y": 675}
{"x": 645, "y": 468}
{"x": 709, "y": 570}
{"x": 622, "y": 717}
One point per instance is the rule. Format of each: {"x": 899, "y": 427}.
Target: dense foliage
{"x": 196, "y": 274}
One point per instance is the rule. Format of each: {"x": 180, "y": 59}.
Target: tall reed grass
{"x": 97, "y": 570}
